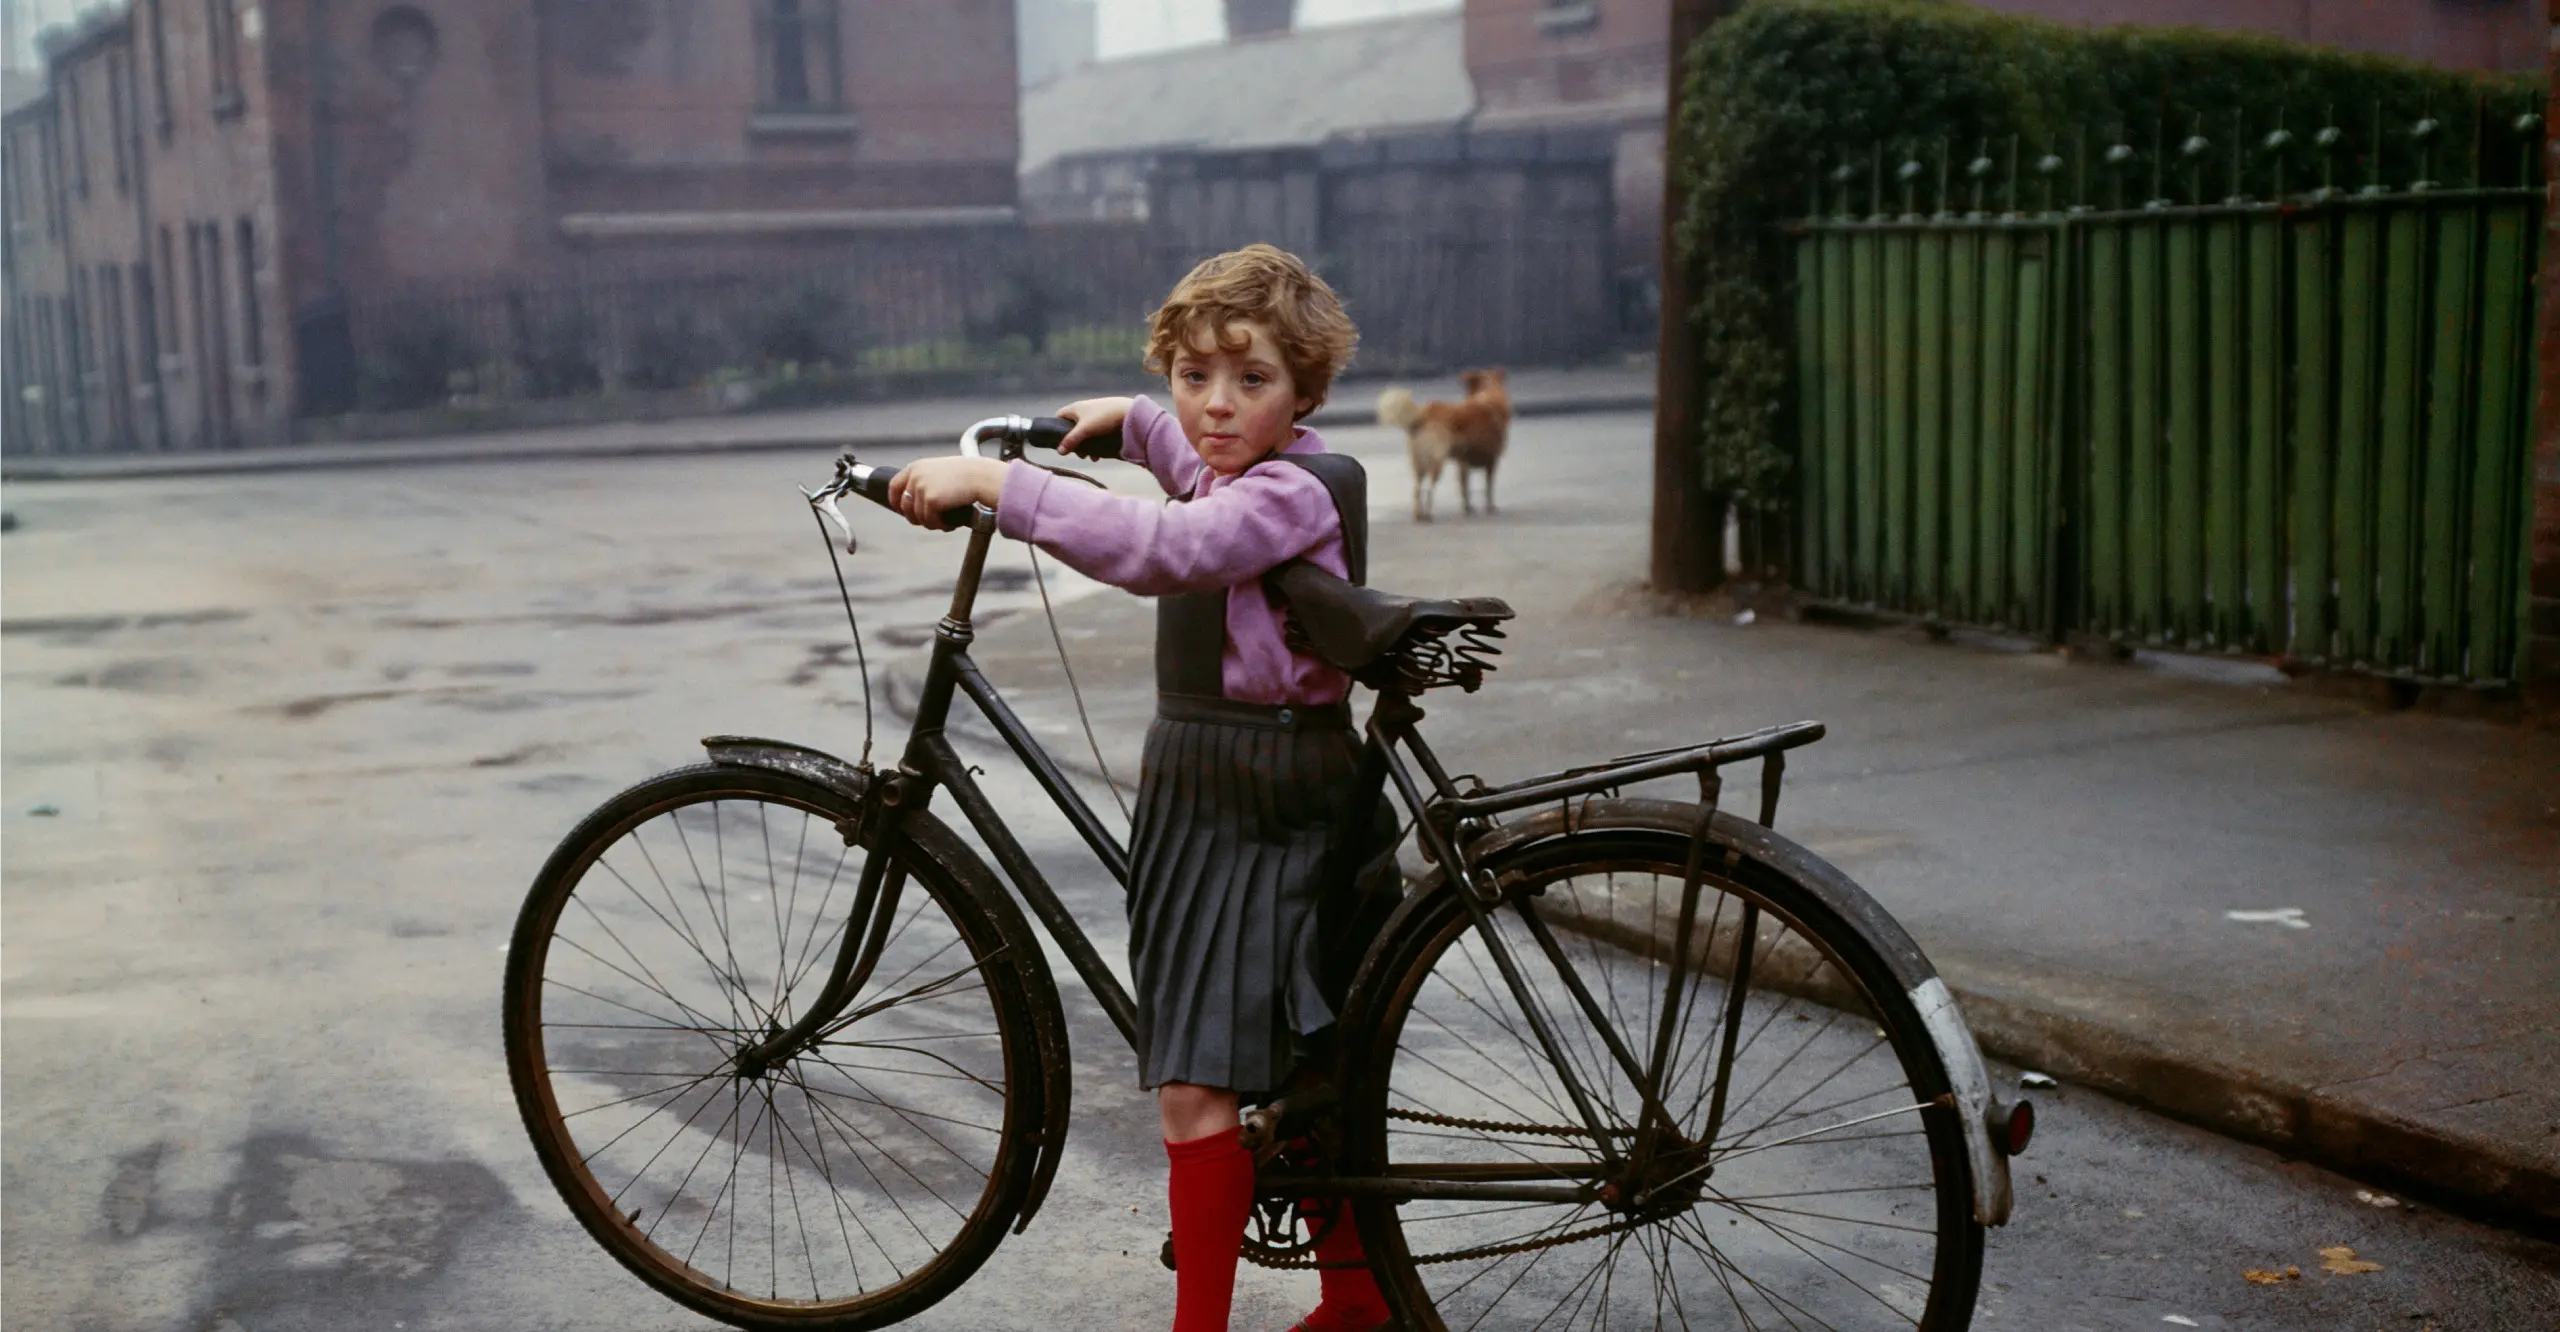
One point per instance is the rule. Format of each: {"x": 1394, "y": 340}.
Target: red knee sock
{"x": 1211, "y": 1192}
{"x": 1352, "y": 1302}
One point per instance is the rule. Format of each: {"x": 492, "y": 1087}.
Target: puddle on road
{"x": 314, "y": 1241}
{"x": 81, "y": 628}
{"x": 140, "y": 675}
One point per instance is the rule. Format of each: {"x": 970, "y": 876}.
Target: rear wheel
{"x": 850, "y": 1186}
{"x": 1808, "y": 1176}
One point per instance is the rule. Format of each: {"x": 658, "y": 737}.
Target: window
{"x": 799, "y": 64}
{"x": 222, "y": 32}
{"x": 253, "y": 332}
{"x": 21, "y": 188}
{"x": 169, "y": 307}
{"x": 146, "y": 323}
{"x": 164, "y": 119}
{"x": 53, "y": 176}
{"x": 120, "y": 119}
{"x": 1568, "y": 15}
{"x": 215, "y": 354}
{"x": 79, "y": 141}
{"x": 404, "y": 45}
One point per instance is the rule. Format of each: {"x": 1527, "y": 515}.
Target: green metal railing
{"x": 2294, "y": 426}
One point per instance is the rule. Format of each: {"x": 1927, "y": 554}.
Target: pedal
{"x": 1259, "y": 1133}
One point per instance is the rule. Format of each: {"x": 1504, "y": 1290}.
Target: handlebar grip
{"x": 873, "y": 485}
{"x": 1046, "y": 431}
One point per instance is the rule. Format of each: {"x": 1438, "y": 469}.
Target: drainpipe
{"x": 2542, "y": 624}
{"x": 1688, "y": 523}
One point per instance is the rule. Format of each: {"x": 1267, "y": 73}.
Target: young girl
{"x": 1246, "y": 777}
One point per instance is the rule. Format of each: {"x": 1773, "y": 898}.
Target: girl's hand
{"x": 1093, "y": 416}
{"x": 924, "y": 490}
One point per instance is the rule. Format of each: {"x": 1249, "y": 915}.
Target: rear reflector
{"x": 2012, "y": 1126}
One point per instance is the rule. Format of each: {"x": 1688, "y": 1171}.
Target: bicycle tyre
{"x": 1427, "y": 992}
{"x": 961, "y": 1101}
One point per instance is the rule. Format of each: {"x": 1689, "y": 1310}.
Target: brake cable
{"x": 1048, "y": 611}
{"x": 860, "y": 658}
{"x": 1075, "y": 691}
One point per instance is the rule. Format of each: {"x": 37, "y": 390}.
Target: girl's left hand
{"x": 926, "y": 489}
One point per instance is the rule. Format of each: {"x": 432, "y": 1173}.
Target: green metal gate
{"x": 2296, "y": 427}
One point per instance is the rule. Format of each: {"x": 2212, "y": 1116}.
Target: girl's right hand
{"x": 1092, "y": 416}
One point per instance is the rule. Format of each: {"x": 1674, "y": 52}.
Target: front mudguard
{"x": 1054, "y": 1094}
{"x": 1910, "y": 968}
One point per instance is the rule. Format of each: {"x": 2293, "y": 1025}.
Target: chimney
{"x": 1259, "y": 18}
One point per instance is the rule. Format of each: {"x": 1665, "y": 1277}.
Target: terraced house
{"x": 209, "y": 195}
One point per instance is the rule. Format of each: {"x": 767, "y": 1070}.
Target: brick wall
{"x": 145, "y": 295}
{"x": 283, "y": 160}
{"x": 676, "y": 109}
{"x": 215, "y": 227}
{"x": 1597, "y": 65}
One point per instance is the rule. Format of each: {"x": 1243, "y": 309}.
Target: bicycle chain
{"x": 1492, "y": 1125}
{"x": 1481, "y": 1251}
{"x": 1463, "y": 1255}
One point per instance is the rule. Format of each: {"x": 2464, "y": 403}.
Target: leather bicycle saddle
{"x": 1359, "y": 628}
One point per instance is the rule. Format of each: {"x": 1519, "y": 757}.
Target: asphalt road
{"x": 279, "y": 755}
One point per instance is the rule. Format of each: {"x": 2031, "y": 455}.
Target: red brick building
{"x": 207, "y": 186}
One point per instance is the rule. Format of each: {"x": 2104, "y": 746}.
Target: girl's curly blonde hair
{"x": 1259, "y": 284}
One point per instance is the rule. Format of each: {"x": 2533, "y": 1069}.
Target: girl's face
{"x": 1236, "y": 407}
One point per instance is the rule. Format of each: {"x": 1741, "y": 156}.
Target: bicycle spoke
{"x": 731, "y": 987}
{"x": 844, "y": 1125}
{"x": 617, "y": 970}
{"x": 677, "y": 956}
{"x": 1777, "y": 1303}
{"x": 1534, "y": 1058}
{"x": 808, "y": 953}
{"x": 1816, "y": 1159}
{"x": 733, "y": 977}
{"x": 1784, "y": 1114}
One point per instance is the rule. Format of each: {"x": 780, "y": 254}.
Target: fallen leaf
{"x": 2261, "y": 1276}
{"x": 2180, "y": 1320}
{"x": 2343, "y": 1261}
{"x": 2371, "y": 1198}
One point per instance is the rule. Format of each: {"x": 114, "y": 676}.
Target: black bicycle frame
{"x": 1440, "y": 818}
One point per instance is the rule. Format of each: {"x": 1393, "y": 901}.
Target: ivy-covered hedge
{"x": 1785, "y": 92}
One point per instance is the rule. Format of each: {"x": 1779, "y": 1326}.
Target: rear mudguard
{"x": 1954, "y": 1042}
{"x": 1053, "y": 1095}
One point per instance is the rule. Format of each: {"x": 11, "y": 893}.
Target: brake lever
{"x": 824, "y": 501}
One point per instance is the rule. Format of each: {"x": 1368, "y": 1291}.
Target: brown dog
{"x": 1470, "y": 433}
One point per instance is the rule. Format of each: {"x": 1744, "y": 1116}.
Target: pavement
{"x": 2271, "y": 908}
{"x": 280, "y": 752}
{"x": 906, "y": 423}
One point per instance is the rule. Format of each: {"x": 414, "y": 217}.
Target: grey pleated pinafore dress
{"x": 1240, "y": 829}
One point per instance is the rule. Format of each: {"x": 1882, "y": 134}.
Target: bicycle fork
{"x": 866, "y": 930}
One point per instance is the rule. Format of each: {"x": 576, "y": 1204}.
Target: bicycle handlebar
{"x": 1012, "y": 435}
{"x": 1016, "y": 434}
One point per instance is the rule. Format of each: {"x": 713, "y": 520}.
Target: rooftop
{"x": 1297, "y": 88}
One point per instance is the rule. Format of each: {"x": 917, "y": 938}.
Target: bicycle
{"x": 1611, "y": 1053}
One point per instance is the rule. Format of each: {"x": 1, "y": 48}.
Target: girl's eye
{"x": 1253, "y": 381}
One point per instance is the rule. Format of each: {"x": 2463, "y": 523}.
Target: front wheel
{"x": 1803, "y": 1173}
{"x": 849, "y": 1186}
